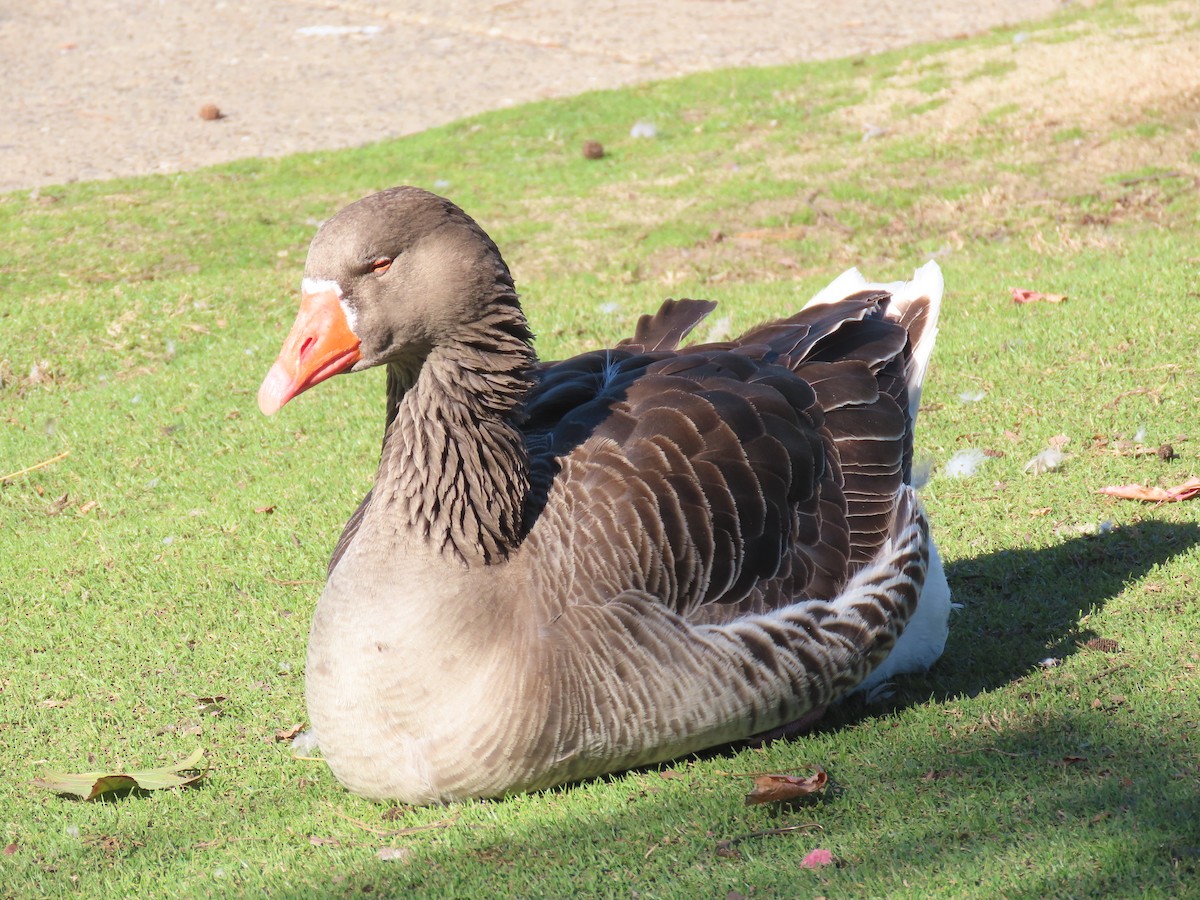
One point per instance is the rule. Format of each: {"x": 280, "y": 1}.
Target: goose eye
{"x": 381, "y": 265}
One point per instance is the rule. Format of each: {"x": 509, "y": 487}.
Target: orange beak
{"x": 320, "y": 344}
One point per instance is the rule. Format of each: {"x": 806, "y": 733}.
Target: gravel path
{"x": 105, "y": 88}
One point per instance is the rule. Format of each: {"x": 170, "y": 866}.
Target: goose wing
{"x": 722, "y": 479}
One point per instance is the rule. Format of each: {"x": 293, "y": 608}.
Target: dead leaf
{"x": 1020, "y": 295}
{"x": 90, "y": 785}
{"x": 265, "y": 510}
{"x": 10, "y": 849}
{"x": 669, "y": 774}
{"x": 782, "y": 788}
{"x": 286, "y": 734}
{"x": 816, "y": 859}
{"x": 1071, "y": 760}
{"x": 726, "y": 850}
{"x": 58, "y": 505}
{"x": 1150, "y": 494}
{"x": 211, "y": 706}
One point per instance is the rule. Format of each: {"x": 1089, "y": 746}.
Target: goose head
{"x": 387, "y": 280}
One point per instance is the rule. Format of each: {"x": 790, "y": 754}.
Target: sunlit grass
{"x": 177, "y": 551}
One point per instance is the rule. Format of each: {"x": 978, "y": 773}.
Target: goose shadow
{"x": 1025, "y": 606}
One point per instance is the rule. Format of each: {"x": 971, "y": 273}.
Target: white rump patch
{"x": 924, "y": 638}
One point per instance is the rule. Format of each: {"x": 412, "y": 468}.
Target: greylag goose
{"x": 568, "y": 569}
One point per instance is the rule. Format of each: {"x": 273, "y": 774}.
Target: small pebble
{"x": 593, "y": 150}
{"x": 209, "y": 112}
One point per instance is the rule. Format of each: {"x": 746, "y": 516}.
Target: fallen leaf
{"x": 816, "y": 859}
{"x": 1149, "y": 494}
{"x": 1020, "y": 295}
{"x": 10, "y": 849}
{"x": 90, "y": 785}
{"x": 782, "y": 788}
{"x": 58, "y": 505}
{"x": 726, "y": 850}
{"x": 286, "y": 734}
{"x": 1071, "y": 760}
{"x": 669, "y": 774}
{"x": 265, "y": 510}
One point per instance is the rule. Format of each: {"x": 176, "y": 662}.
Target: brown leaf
{"x": 10, "y": 849}
{"x": 1150, "y": 494}
{"x": 726, "y": 850}
{"x": 1071, "y": 760}
{"x": 265, "y": 510}
{"x": 669, "y": 774}
{"x": 782, "y": 788}
{"x": 1020, "y": 295}
{"x": 286, "y": 734}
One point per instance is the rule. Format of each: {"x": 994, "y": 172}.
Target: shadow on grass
{"x": 1063, "y": 803}
{"x": 1023, "y": 606}
{"x": 973, "y": 824}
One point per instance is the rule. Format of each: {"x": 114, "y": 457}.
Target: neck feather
{"x": 453, "y": 455}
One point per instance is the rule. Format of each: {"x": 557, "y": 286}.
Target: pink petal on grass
{"x": 816, "y": 859}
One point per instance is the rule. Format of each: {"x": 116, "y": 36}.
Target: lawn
{"x": 159, "y": 572}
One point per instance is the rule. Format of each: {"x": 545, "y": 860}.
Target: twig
{"x": 988, "y": 750}
{"x": 386, "y": 832}
{"x": 1110, "y": 670}
{"x": 1126, "y": 182}
{"x": 218, "y": 842}
{"x": 34, "y": 467}
{"x": 758, "y": 774}
{"x": 770, "y": 832}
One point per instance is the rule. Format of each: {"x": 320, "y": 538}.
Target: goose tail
{"x": 915, "y": 304}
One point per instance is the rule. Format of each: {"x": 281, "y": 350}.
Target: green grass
{"x": 187, "y": 554}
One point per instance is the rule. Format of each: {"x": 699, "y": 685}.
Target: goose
{"x": 568, "y": 569}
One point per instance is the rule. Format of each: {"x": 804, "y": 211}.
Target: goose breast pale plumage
{"x": 567, "y": 569}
